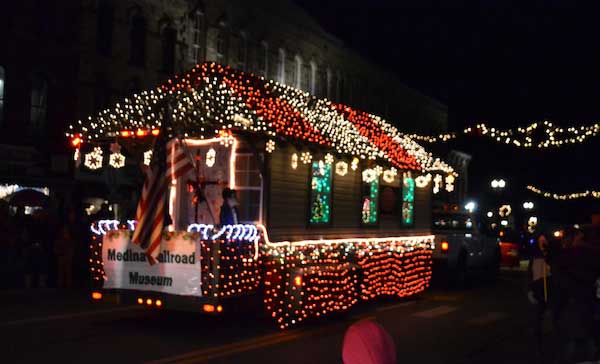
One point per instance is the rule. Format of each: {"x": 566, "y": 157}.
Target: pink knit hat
{"x": 367, "y": 342}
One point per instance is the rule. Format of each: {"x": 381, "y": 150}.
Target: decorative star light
{"x": 93, "y": 160}
{"x": 116, "y": 160}
{"x": 341, "y": 168}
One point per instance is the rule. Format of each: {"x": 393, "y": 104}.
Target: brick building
{"x": 64, "y": 60}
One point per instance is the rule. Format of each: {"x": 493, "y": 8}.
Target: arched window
{"x": 39, "y": 101}
{"x": 297, "y": 79}
{"x": 2, "y": 82}
{"x": 313, "y": 78}
{"x": 281, "y": 65}
{"x": 263, "y": 59}
{"x": 137, "y": 38}
{"x": 329, "y": 84}
{"x": 104, "y": 27}
{"x": 242, "y": 52}
{"x": 168, "y": 38}
{"x": 195, "y": 36}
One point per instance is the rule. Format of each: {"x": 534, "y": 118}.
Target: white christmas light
{"x": 294, "y": 162}
{"x": 390, "y": 174}
{"x": 147, "y": 157}
{"x": 211, "y": 157}
{"x": 437, "y": 183}
{"x": 449, "y": 183}
{"x": 329, "y": 158}
{"x": 306, "y": 157}
{"x": 423, "y": 180}
{"x": 504, "y": 210}
{"x": 354, "y": 164}
{"x": 270, "y": 147}
{"x": 369, "y": 175}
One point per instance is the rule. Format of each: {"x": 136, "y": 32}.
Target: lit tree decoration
{"x": 270, "y": 146}
{"x": 294, "y": 162}
{"x": 437, "y": 183}
{"x": 449, "y": 183}
{"x": 147, "y": 157}
{"x": 329, "y": 158}
{"x": 306, "y": 157}
{"x": 93, "y": 160}
{"x": 341, "y": 168}
{"x": 116, "y": 160}
{"x": 354, "y": 164}
{"x": 210, "y": 157}
{"x": 369, "y": 175}
{"x": 423, "y": 180}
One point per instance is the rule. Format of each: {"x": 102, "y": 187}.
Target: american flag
{"x": 169, "y": 161}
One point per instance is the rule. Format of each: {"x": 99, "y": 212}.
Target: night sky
{"x": 496, "y": 62}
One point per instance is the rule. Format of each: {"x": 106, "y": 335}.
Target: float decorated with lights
{"x": 334, "y": 203}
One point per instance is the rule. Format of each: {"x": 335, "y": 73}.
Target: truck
{"x": 462, "y": 250}
{"x": 328, "y": 205}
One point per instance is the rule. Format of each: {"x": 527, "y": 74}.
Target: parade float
{"x": 334, "y": 204}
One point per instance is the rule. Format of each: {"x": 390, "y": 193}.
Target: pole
{"x": 545, "y": 284}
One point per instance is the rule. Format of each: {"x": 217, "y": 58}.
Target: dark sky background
{"x": 501, "y": 62}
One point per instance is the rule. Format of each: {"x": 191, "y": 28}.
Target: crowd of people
{"x": 44, "y": 248}
{"x": 565, "y": 286}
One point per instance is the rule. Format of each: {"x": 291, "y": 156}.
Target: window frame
{"x": 37, "y": 126}
{"x": 241, "y": 187}
{"x": 2, "y": 91}
{"x": 194, "y": 45}
{"x": 329, "y": 223}
{"x": 377, "y": 202}
{"x": 407, "y": 175}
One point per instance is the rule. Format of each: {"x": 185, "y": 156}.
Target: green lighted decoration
{"x": 320, "y": 193}
{"x": 408, "y": 200}
{"x": 370, "y": 202}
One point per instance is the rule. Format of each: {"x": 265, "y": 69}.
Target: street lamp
{"x": 470, "y": 206}
{"x": 498, "y": 183}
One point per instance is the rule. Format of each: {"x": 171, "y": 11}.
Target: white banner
{"x": 176, "y": 272}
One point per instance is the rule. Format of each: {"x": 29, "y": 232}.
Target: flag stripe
{"x": 169, "y": 162}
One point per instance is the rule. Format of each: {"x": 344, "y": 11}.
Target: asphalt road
{"x": 486, "y": 323}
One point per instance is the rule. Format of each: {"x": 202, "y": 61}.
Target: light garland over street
{"x": 564, "y": 197}
{"x": 539, "y": 135}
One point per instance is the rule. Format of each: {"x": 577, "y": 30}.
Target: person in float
{"x": 229, "y": 210}
{"x": 367, "y": 342}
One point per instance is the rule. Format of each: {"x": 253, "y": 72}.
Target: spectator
{"x": 229, "y": 211}
{"x": 367, "y": 342}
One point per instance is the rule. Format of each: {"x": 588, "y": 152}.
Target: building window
{"x": 242, "y": 52}
{"x": 320, "y": 193}
{"x": 221, "y": 45}
{"x": 313, "y": 78}
{"x": 408, "y": 200}
{"x": 249, "y": 187}
{"x": 2, "y": 82}
{"x": 297, "y": 76}
{"x": 195, "y": 44}
{"x": 39, "y": 102}
{"x": 104, "y": 27}
{"x": 168, "y": 39}
{"x": 281, "y": 65}
{"x": 306, "y": 76}
{"x": 263, "y": 59}
{"x": 370, "y": 200}
{"x": 329, "y": 83}
{"x": 137, "y": 39}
